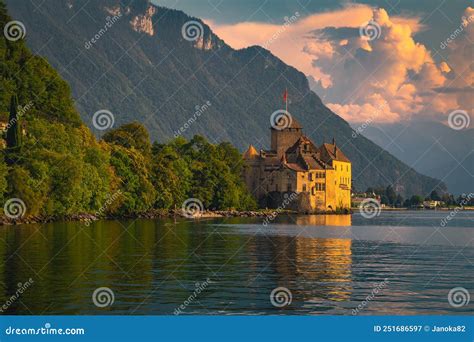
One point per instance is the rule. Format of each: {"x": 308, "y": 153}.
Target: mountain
{"x": 431, "y": 148}
{"x": 132, "y": 59}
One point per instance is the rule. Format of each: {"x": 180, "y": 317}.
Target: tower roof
{"x": 251, "y": 152}
{"x": 285, "y": 122}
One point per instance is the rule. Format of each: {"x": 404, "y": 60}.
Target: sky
{"x": 369, "y": 61}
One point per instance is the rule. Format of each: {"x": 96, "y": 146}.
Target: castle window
{"x": 323, "y": 187}
{"x": 304, "y": 187}
{"x": 310, "y": 176}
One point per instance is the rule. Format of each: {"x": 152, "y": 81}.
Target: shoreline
{"x": 156, "y": 214}
{"x": 164, "y": 213}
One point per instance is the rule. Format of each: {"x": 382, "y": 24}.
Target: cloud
{"x": 388, "y": 79}
{"x": 460, "y": 62}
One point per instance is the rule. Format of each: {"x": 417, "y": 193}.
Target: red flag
{"x": 285, "y": 95}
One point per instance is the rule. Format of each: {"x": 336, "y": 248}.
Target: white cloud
{"x": 392, "y": 78}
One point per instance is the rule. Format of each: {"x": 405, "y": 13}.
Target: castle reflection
{"x": 317, "y": 269}
{"x": 324, "y": 220}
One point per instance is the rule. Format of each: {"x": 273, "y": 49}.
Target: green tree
{"x": 434, "y": 196}
{"x": 171, "y": 174}
{"x": 391, "y": 195}
{"x": 399, "y": 201}
{"x": 130, "y": 135}
{"x": 14, "y": 130}
{"x": 416, "y": 200}
{"x": 138, "y": 193}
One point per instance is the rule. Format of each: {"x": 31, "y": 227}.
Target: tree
{"x": 434, "y": 196}
{"x": 391, "y": 195}
{"x": 130, "y": 135}
{"x": 14, "y": 130}
{"x": 416, "y": 200}
{"x": 171, "y": 175}
{"x": 399, "y": 201}
{"x": 138, "y": 193}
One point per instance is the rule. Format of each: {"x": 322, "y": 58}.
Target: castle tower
{"x": 283, "y": 137}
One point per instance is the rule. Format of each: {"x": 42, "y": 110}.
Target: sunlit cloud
{"x": 388, "y": 79}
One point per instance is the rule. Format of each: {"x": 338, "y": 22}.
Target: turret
{"x": 250, "y": 153}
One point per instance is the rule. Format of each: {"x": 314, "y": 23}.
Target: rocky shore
{"x": 152, "y": 214}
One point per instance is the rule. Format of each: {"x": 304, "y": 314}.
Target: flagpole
{"x": 286, "y": 99}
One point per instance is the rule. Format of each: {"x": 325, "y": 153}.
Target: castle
{"x": 320, "y": 176}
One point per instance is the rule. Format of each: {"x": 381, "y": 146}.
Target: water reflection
{"x": 153, "y": 266}
{"x": 324, "y": 220}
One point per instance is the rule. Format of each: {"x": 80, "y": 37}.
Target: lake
{"x": 397, "y": 263}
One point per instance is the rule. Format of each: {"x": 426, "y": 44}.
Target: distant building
{"x": 358, "y": 199}
{"x": 320, "y": 176}
{"x": 431, "y": 204}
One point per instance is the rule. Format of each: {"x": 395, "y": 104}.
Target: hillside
{"x": 53, "y": 167}
{"x": 431, "y": 148}
{"x": 141, "y": 68}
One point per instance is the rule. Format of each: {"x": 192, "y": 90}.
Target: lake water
{"x": 396, "y": 263}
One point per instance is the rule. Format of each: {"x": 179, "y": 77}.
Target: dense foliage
{"x": 62, "y": 169}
